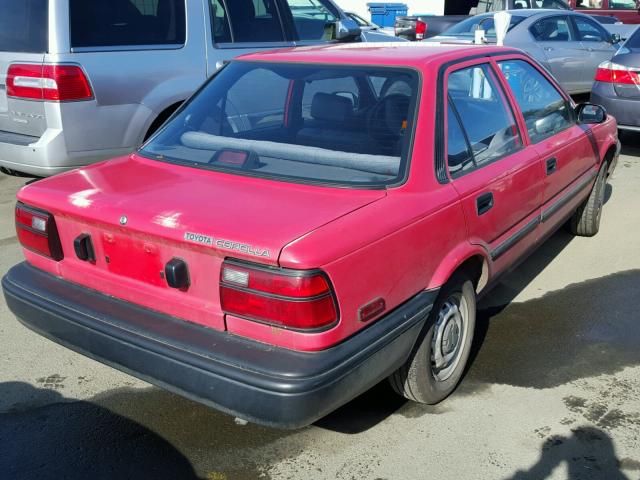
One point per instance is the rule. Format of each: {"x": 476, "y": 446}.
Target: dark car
{"x": 617, "y": 85}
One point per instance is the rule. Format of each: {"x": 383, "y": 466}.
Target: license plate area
{"x": 133, "y": 258}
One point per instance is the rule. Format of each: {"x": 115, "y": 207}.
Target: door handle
{"x": 552, "y": 165}
{"x": 484, "y": 203}
{"x": 548, "y": 49}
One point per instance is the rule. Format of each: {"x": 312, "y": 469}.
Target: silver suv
{"x": 85, "y": 80}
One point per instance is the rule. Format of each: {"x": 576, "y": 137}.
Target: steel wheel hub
{"x": 448, "y": 337}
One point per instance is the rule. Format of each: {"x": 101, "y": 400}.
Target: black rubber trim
{"x": 17, "y": 138}
{"x": 514, "y": 239}
{"x": 566, "y": 198}
{"x": 258, "y": 382}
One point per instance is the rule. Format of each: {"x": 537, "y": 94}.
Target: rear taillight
{"x": 610, "y": 72}
{"x": 289, "y": 298}
{"x": 421, "y": 29}
{"x": 58, "y": 83}
{"x": 37, "y": 232}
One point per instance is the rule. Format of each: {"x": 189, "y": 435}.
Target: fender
{"x": 455, "y": 259}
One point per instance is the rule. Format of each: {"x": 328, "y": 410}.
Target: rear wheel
{"x": 436, "y": 365}
{"x": 585, "y": 222}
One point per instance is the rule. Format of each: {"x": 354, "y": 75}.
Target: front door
{"x": 562, "y": 51}
{"x": 597, "y": 47}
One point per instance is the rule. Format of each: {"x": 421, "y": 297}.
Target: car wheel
{"x": 585, "y": 222}
{"x": 439, "y": 358}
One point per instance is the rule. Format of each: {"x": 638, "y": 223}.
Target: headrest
{"x": 334, "y": 108}
{"x": 241, "y": 10}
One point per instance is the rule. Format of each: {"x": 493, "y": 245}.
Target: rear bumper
{"x": 257, "y": 382}
{"x": 625, "y": 110}
{"x": 47, "y": 155}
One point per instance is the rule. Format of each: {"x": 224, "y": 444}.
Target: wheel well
{"x": 160, "y": 119}
{"x": 477, "y": 269}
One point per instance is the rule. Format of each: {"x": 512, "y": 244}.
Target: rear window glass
{"x": 484, "y": 22}
{"x": 297, "y": 122}
{"x": 634, "y": 40}
{"x": 24, "y": 26}
{"x": 113, "y": 23}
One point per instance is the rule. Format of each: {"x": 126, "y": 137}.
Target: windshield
{"x": 24, "y": 26}
{"x": 318, "y": 123}
{"x": 485, "y": 22}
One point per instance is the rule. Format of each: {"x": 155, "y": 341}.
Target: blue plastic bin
{"x": 384, "y": 14}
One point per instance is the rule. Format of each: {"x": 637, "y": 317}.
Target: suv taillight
{"x": 58, "y": 83}
{"x": 294, "y": 299}
{"x": 37, "y": 232}
{"x": 610, "y": 72}
{"x": 421, "y": 29}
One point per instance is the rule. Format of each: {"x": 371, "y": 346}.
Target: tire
{"x": 421, "y": 379}
{"x": 585, "y": 222}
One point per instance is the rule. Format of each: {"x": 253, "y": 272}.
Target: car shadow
{"x": 380, "y": 402}
{"x": 50, "y": 437}
{"x": 630, "y": 143}
{"x": 588, "y": 454}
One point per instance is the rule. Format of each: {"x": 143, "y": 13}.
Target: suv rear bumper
{"x": 46, "y": 155}
{"x": 254, "y": 381}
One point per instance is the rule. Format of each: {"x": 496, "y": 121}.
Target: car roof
{"x": 414, "y": 54}
{"x": 532, "y": 12}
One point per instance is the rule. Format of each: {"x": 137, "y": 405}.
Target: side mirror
{"x": 346, "y": 29}
{"x": 615, "y": 38}
{"x": 590, "y": 114}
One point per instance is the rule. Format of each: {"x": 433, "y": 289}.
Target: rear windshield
{"x": 317, "y": 123}
{"x": 484, "y": 22}
{"x": 24, "y": 26}
{"x": 113, "y": 23}
{"x": 634, "y": 40}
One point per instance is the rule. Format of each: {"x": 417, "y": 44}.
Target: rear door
{"x": 238, "y": 27}
{"x": 497, "y": 177}
{"x": 596, "y": 45}
{"x": 23, "y": 39}
{"x": 562, "y": 51}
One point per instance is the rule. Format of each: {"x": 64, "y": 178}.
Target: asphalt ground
{"x": 553, "y": 390}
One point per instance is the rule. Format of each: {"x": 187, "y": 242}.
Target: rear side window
{"x": 554, "y": 29}
{"x": 622, "y": 5}
{"x": 245, "y": 21}
{"x": 113, "y": 23}
{"x": 313, "y": 19}
{"x": 24, "y": 26}
{"x": 589, "y": 4}
{"x": 488, "y": 124}
{"x": 545, "y": 110}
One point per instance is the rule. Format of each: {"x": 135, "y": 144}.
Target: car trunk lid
{"x": 141, "y": 214}
{"x": 630, "y": 61}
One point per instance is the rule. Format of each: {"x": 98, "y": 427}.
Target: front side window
{"x": 546, "y": 112}
{"x": 589, "y": 31}
{"x": 553, "y": 29}
{"x": 481, "y": 108}
{"x": 297, "y": 122}
{"x": 110, "y": 23}
{"x": 623, "y": 5}
{"x": 589, "y": 4}
{"x": 313, "y": 19}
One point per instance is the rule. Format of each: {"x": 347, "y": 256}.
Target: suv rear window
{"x": 113, "y": 23}
{"x": 317, "y": 123}
{"x": 24, "y": 26}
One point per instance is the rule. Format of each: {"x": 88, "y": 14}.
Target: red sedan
{"x": 311, "y": 222}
